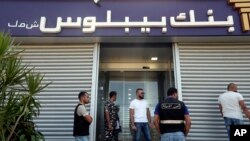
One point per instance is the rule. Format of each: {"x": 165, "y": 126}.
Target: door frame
{"x": 94, "y": 91}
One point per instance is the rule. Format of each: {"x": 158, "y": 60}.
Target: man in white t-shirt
{"x": 231, "y": 104}
{"x": 140, "y": 116}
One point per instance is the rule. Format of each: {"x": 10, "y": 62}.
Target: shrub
{"x": 19, "y": 85}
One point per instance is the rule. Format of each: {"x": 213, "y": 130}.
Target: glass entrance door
{"x": 154, "y": 84}
{"x": 124, "y": 67}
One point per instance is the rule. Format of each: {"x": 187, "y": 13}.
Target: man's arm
{"x": 220, "y": 107}
{"x": 88, "y": 118}
{"x": 156, "y": 123}
{"x": 157, "y": 118}
{"x": 131, "y": 113}
{"x": 108, "y": 119}
{"x": 187, "y": 120}
{"x": 149, "y": 118}
{"x": 82, "y": 111}
{"x": 187, "y": 124}
{"x": 244, "y": 108}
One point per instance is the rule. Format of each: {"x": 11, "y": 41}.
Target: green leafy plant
{"x": 19, "y": 84}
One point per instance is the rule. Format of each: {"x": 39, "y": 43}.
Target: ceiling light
{"x": 154, "y": 58}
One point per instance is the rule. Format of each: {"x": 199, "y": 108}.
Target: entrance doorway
{"x": 133, "y": 68}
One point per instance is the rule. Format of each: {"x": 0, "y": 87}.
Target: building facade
{"x": 99, "y": 46}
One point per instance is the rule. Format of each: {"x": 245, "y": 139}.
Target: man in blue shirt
{"x": 172, "y": 118}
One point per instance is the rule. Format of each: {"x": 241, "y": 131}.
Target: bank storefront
{"x": 197, "y": 46}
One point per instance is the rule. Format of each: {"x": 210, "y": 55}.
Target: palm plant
{"x": 19, "y": 84}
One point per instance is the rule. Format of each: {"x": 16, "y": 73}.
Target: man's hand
{"x": 185, "y": 133}
{"x": 133, "y": 127}
{"x": 151, "y": 125}
{"x": 110, "y": 127}
{"x": 244, "y": 108}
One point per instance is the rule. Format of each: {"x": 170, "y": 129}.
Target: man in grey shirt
{"x": 82, "y": 119}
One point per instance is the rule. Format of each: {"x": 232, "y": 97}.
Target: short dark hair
{"x": 230, "y": 85}
{"x": 171, "y": 91}
{"x": 112, "y": 93}
{"x": 81, "y": 94}
{"x": 138, "y": 89}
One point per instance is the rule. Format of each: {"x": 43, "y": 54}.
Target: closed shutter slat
{"x": 69, "y": 68}
{"x": 205, "y": 72}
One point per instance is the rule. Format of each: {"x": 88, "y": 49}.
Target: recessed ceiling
{"x": 135, "y": 54}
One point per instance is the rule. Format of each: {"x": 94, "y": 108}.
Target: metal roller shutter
{"x": 70, "y": 69}
{"x": 204, "y": 72}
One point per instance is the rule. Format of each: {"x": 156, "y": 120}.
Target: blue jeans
{"x": 144, "y": 128}
{"x": 173, "y": 136}
{"x": 82, "y": 138}
{"x": 232, "y": 121}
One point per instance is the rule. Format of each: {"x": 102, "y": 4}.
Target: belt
{"x": 171, "y": 121}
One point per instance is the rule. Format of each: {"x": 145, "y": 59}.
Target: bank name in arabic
{"x": 90, "y": 24}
